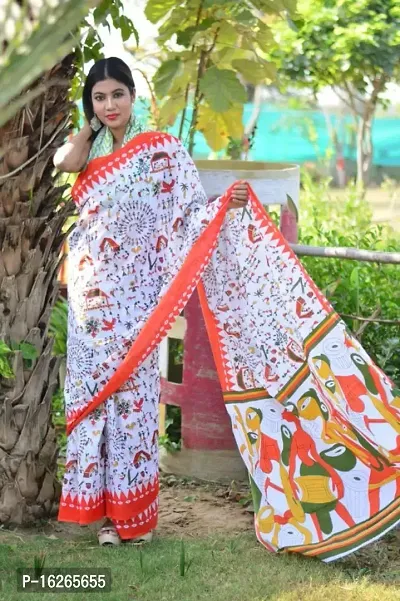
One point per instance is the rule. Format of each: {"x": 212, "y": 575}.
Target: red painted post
{"x": 288, "y": 224}
{"x": 205, "y": 421}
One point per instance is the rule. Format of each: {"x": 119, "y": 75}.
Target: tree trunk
{"x": 364, "y": 151}
{"x": 31, "y": 222}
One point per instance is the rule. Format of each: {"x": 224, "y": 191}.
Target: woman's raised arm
{"x": 72, "y": 157}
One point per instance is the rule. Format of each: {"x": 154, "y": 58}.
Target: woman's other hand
{"x": 240, "y": 196}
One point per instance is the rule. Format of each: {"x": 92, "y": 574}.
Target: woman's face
{"x": 112, "y": 103}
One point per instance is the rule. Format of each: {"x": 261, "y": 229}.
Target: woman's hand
{"x": 240, "y": 196}
{"x": 72, "y": 156}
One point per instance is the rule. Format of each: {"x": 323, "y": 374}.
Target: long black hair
{"x": 105, "y": 68}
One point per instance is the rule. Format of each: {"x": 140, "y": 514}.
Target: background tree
{"x": 209, "y": 50}
{"x": 33, "y": 213}
{"x": 351, "y": 45}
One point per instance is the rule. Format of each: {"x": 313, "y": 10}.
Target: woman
{"x": 115, "y": 279}
{"x": 316, "y": 422}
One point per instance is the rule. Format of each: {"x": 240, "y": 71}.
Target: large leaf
{"x": 157, "y": 9}
{"x": 170, "y": 110}
{"x": 165, "y": 75}
{"x": 291, "y": 6}
{"x": 173, "y": 24}
{"x": 187, "y": 74}
{"x": 227, "y": 34}
{"x": 234, "y": 122}
{"x": 217, "y": 128}
{"x": 225, "y": 56}
{"x": 270, "y": 6}
{"x": 246, "y": 17}
{"x": 222, "y": 89}
{"x": 184, "y": 37}
{"x": 264, "y": 38}
{"x": 214, "y": 3}
{"x": 255, "y": 72}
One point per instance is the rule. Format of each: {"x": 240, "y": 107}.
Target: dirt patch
{"x": 188, "y": 508}
{"x": 199, "y": 510}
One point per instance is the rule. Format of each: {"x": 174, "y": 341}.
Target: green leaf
{"x": 245, "y": 17}
{"x": 185, "y": 36}
{"x": 291, "y": 6}
{"x": 270, "y": 6}
{"x": 222, "y": 89}
{"x": 165, "y": 75}
{"x": 255, "y": 72}
{"x": 187, "y": 75}
{"x": 227, "y": 34}
{"x": 5, "y": 368}
{"x": 128, "y": 29}
{"x": 4, "y": 349}
{"x": 170, "y": 110}
{"x": 214, "y": 3}
{"x": 29, "y": 352}
{"x": 157, "y": 9}
{"x": 100, "y": 13}
{"x": 173, "y": 24}
{"x": 264, "y": 38}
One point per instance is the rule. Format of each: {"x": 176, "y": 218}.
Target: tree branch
{"x": 183, "y": 118}
{"x": 353, "y": 254}
{"x": 367, "y": 320}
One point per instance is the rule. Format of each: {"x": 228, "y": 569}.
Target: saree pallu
{"x": 316, "y": 422}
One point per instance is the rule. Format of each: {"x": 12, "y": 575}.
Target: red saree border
{"x": 118, "y": 507}
{"x": 354, "y": 537}
{"x": 163, "y": 316}
{"x": 138, "y": 526}
{"x": 267, "y": 222}
{"x": 106, "y": 164}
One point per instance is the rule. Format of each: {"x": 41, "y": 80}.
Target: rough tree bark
{"x": 31, "y": 222}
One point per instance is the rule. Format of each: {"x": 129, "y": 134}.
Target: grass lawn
{"x": 221, "y": 569}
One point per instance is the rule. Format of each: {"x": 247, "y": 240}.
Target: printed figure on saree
{"x": 318, "y": 456}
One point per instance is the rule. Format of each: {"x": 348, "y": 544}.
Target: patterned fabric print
{"x": 132, "y": 235}
{"x": 316, "y": 422}
{"x": 112, "y": 458}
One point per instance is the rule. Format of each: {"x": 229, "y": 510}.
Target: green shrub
{"x": 58, "y": 326}
{"x": 354, "y": 287}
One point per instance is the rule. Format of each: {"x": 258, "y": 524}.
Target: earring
{"x": 95, "y": 123}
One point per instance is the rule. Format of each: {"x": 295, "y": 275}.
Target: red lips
{"x": 112, "y": 117}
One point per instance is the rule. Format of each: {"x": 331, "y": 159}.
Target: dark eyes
{"x": 115, "y": 95}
